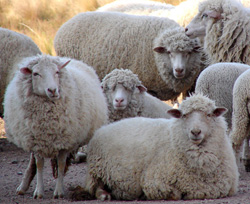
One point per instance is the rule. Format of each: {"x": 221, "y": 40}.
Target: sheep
{"x": 225, "y": 26}
{"x": 50, "y": 109}
{"x": 186, "y": 157}
{"x": 165, "y": 59}
{"x": 127, "y": 97}
{"x": 240, "y": 117}
{"x": 14, "y": 46}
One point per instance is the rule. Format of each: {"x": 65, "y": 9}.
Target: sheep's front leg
{"x": 61, "y": 161}
{"x": 29, "y": 174}
{"x": 39, "y": 192}
{"x": 246, "y": 154}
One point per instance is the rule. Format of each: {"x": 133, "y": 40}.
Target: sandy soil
{"x": 13, "y": 162}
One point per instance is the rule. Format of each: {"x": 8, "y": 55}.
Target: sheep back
{"x": 36, "y": 124}
{"x": 14, "y": 46}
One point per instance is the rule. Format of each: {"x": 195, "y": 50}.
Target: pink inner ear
{"x": 142, "y": 88}
{"x": 64, "y": 65}
{"x": 25, "y": 70}
{"x": 159, "y": 49}
{"x": 175, "y": 113}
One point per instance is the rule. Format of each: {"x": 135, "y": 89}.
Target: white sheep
{"x": 14, "y": 46}
{"x": 50, "y": 109}
{"x": 225, "y": 26}
{"x": 186, "y": 157}
{"x": 240, "y": 117}
{"x": 156, "y": 49}
{"x": 127, "y": 97}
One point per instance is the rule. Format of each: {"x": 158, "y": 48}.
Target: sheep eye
{"x": 184, "y": 116}
{"x": 204, "y": 16}
{"x": 168, "y": 52}
{"x": 209, "y": 115}
{"x": 36, "y": 74}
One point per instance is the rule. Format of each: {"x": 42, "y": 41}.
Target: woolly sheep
{"x": 240, "y": 117}
{"x": 127, "y": 97}
{"x": 14, "y": 46}
{"x": 164, "y": 58}
{"x": 225, "y": 26}
{"x": 217, "y": 82}
{"x": 51, "y": 109}
{"x": 186, "y": 157}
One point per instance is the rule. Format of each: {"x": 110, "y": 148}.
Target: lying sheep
{"x": 240, "y": 118}
{"x": 186, "y": 157}
{"x": 156, "y": 49}
{"x": 14, "y": 46}
{"x": 225, "y": 26}
{"x": 50, "y": 109}
{"x": 127, "y": 97}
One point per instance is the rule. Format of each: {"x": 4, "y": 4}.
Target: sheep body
{"x": 137, "y": 103}
{"x": 224, "y": 25}
{"x": 50, "y": 121}
{"x": 14, "y": 46}
{"x": 163, "y": 166}
{"x": 119, "y": 46}
{"x": 240, "y": 117}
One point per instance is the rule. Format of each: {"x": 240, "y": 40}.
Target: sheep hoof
{"x": 58, "y": 196}
{"x": 105, "y": 196}
{"x": 20, "y": 192}
{"x": 39, "y": 196}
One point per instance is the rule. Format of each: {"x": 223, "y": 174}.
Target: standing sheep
{"x": 240, "y": 117}
{"x": 186, "y": 157}
{"x": 127, "y": 97}
{"x": 156, "y": 49}
{"x": 14, "y": 47}
{"x": 225, "y": 25}
{"x": 50, "y": 109}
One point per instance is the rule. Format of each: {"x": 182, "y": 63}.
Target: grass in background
{"x": 40, "y": 19}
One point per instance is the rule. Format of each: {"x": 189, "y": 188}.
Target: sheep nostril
{"x": 186, "y": 29}
{"x": 196, "y": 132}
{"x": 53, "y": 91}
{"x": 179, "y": 71}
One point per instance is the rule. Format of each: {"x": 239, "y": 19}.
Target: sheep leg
{"x": 39, "y": 192}
{"x": 29, "y": 174}
{"x": 246, "y": 154}
{"x": 101, "y": 194}
{"x": 61, "y": 161}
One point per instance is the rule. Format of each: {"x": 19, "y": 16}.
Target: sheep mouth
{"x": 119, "y": 107}
{"x": 179, "y": 76}
{"x": 196, "y": 141}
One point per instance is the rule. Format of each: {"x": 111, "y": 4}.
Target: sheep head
{"x": 45, "y": 76}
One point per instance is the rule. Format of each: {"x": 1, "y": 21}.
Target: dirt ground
{"x": 13, "y": 162}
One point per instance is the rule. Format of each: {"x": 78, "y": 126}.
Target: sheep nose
{"x": 186, "y": 29}
{"x": 179, "y": 70}
{"x": 119, "y": 101}
{"x": 196, "y": 132}
{"x": 52, "y": 91}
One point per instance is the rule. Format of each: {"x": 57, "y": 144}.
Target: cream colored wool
{"x": 107, "y": 40}
{"x": 155, "y": 159}
{"x": 37, "y": 124}
{"x": 226, "y": 38}
{"x": 14, "y": 46}
{"x": 141, "y": 103}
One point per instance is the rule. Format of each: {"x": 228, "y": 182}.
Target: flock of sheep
{"x": 105, "y": 87}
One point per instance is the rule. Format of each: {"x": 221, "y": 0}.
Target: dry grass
{"x": 40, "y": 19}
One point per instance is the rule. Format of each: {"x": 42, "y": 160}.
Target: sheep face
{"x": 197, "y": 124}
{"x": 202, "y": 22}
{"x": 121, "y": 96}
{"x": 45, "y": 78}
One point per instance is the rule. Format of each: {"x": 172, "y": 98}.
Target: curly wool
{"x": 176, "y": 40}
{"x": 227, "y": 39}
{"x": 129, "y": 80}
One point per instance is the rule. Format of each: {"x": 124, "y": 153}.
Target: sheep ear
{"x": 142, "y": 88}
{"x": 219, "y": 111}
{"x": 175, "y": 113}
{"x": 64, "y": 65}
{"x": 159, "y": 49}
{"x": 214, "y": 14}
{"x": 25, "y": 71}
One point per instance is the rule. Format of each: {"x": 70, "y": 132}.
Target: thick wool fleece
{"x": 108, "y": 40}
{"x": 155, "y": 158}
{"x": 14, "y": 46}
{"x": 241, "y": 108}
{"x": 37, "y": 124}
{"x": 227, "y": 39}
{"x": 217, "y": 82}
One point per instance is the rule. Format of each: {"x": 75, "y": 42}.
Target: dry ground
{"x": 13, "y": 162}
